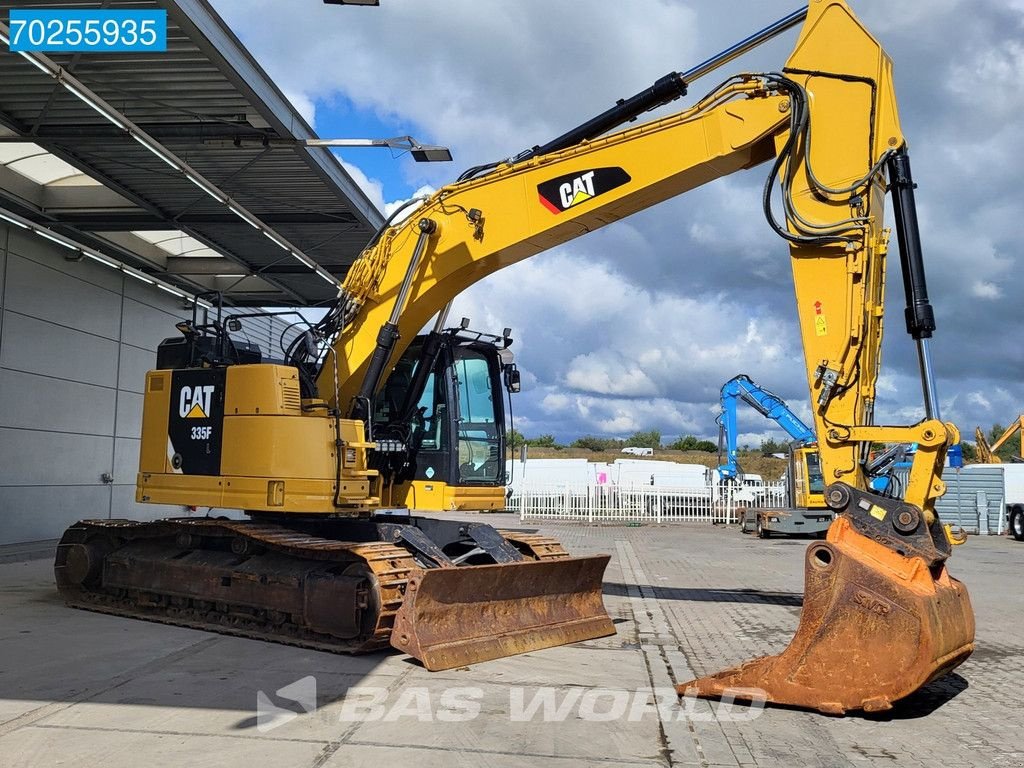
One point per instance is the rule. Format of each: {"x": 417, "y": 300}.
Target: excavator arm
{"x": 768, "y": 404}
{"x": 985, "y": 454}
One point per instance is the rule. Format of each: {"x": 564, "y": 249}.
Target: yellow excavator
{"x": 987, "y": 453}
{"x": 329, "y": 450}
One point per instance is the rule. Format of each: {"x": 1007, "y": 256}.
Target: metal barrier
{"x": 772, "y": 496}
{"x": 711, "y": 503}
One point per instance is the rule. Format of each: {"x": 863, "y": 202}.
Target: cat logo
{"x": 194, "y": 402}
{"x": 565, "y": 192}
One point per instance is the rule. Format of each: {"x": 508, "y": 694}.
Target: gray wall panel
{"x": 973, "y": 499}
{"x": 35, "y": 513}
{"x": 126, "y": 460}
{"x": 35, "y": 248}
{"x": 48, "y": 294}
{"x": 145, "y": 326}
{"x": 38, "y": 402}
{"x": 155, "y": 298}
{"x": 81, "y": 338}
{"x": 36, "y": 346}
{"x": 129, "y": 414}
{"x": 3, "y": 265}
{"x": 123, "y": 505}
{"x": 41, "y": 458}
{"x": 135, "y": 363}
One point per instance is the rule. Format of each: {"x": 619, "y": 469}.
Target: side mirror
{"x": 513, "y": 382}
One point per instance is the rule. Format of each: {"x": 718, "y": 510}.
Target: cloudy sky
{"x": 637, "y": 326}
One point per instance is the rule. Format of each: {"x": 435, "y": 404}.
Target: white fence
{"x": 709, "y": 503}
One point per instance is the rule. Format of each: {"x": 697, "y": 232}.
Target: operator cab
{"x": 451, "y": 416}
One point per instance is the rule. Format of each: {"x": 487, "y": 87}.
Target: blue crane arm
{"x": 766, "y": 403}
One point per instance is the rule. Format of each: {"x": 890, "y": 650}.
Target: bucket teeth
{"x": 452, "y": 617}
{"x": 875, "y": 627}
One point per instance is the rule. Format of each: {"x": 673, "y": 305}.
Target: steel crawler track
{"x": 89, "y": 551}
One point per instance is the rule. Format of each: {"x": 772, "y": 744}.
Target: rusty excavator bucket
{"x": 451, "y": 617}
{"x": 881, "y": 616}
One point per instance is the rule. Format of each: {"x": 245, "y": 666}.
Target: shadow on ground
{"x": 923, "y": 702}
{"x": 760, "y": 596}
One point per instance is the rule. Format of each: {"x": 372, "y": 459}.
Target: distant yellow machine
{"x": 315, "y": 446}
{"x": 987, "y": 453}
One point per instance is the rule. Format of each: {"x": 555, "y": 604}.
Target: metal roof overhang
{"x": 206, "y": 101}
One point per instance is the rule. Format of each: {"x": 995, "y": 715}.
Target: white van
{"x": 634, "y": 450}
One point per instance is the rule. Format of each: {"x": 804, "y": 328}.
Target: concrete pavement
{"x": 85, "y": 689}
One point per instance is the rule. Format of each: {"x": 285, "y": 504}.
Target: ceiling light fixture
{"x": 421, "y": 153}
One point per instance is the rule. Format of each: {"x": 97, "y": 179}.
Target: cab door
{"x": 478, "y": 416}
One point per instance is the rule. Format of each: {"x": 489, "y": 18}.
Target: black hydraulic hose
{"x": 511, "y": 431}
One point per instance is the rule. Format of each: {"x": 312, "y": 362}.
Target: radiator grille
{"x": 291, "y": 398}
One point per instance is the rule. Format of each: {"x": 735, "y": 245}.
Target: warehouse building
{"x": 130, "y": 184}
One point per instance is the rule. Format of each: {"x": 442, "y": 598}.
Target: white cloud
{"x": 608, "y": 375}
{"x": 652, "y": 359}
{"x": 424, "y": 191}
{"x": 983, "y": 289}
{"x": 372, "y": 188}
{"x": 640, "y": 323}
{"x": 304, "y": 105}
{"x": 979, "y": 399}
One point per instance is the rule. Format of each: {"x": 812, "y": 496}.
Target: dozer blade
{"x": 451, "y": 617}
{"x": 876, "y": 626}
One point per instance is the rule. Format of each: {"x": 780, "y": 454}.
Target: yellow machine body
{"x": 275, "y": 456}
{"x": 427, "y": 495}
{"x": 808, "y": 482}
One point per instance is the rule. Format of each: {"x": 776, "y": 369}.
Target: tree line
{"x": 650, "y": 438}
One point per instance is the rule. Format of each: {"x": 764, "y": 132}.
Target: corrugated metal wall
{"x": 973, "y": 500}
{"x": 76, "y": 340}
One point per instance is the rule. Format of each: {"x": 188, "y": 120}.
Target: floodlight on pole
{"x": 421, "y": 153}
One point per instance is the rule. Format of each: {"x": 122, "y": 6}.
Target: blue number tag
{"x": 90, "y": 31}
